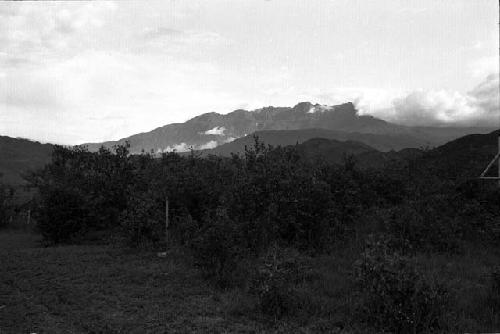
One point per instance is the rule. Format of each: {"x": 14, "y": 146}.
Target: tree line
{"x": 258, "y": 213}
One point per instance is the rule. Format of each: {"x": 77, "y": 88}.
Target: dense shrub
{"x": 6, "y": 204}
{"x": 276, "y": 274}
{"x": 442, "y": 222}
{"x": 427, "y": 224}
{"x": 94, "y": 184}
{"x": 218, "y": 249}
{"x": 394, "y": 296}
{"x": 142, "y": 221}
{"x": 494, "y": 288}
{"x": 268, "y": 195}
{"x": 269, "y": 192}
{"x": 61, "y": 216}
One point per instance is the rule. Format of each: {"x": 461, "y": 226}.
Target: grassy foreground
{"x": 97, "y": 289}
{"x": 102, "y": 289}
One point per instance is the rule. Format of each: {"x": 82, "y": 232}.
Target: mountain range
{"x": 212, "y": 130}
{"x": 328, "y": 132}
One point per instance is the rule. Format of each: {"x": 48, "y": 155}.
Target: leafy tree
{"x": 6, "y": 204}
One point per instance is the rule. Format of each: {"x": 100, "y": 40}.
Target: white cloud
{"x": 319, "y": 108}
{"x": 109, "y": 95}
{"x": 209, "y": 145}
{"x": 433, "y": 108}
{"x": 73, "y": 72}
{"x": 484, "y": 66}
{"x": 46, "y": 31}
{"x": 217, "y": 131}
{"x": 182, "y": 147}
{"x": 419, "y": 107}
{"x": 230, "y": 139}
{"x": 480, "y": 106}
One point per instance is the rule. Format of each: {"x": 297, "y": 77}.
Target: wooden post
{"x": 164, "y": 254}
{"x": 28, "y": 217}
{"x": 166, "y": 221}
{"x": 498, "y": 161}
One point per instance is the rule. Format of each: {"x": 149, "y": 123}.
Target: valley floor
{"x": 102, "y": 289}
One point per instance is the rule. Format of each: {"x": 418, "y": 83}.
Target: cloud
{"x": 319, "y": 108}
{"x": 217, "y": 131}
{"x": 173, "y": 41}
{"x": 182, "y": 147}
{"x": 127, "y": 93}
{"x": 433, "y": 108}
{"x": 484, "y": 66}
{"x": 41, "y": 32}
{"x": 158, "y": 32}
{"x": 487, "y": 97}
{"x": 211, "y": 144}
{"x": 479, "y": 107}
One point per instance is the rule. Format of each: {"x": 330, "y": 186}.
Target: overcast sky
{"x": 74, "y": 72}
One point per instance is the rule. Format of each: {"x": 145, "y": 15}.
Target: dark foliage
{"x": 274, "y": 281}
{"x": 494, "y": 289}
{"x": 81, "y": 191}
{"x": 395, "y": 297}
{"x": 6, "y": 204}
{"x": 248, "y": 219}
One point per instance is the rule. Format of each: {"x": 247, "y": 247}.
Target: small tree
{"x": 6, "y": 204}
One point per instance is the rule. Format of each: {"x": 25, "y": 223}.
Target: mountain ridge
{"x": 210, "y": 130}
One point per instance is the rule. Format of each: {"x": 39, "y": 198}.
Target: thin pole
{"x": 498, "y": 161}
{"x": 166, "y": 221}
{"x": 29, "y": 217}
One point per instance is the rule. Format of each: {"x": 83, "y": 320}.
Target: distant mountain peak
{"x": 213, "y": 129}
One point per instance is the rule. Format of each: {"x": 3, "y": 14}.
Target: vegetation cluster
{"x": 255, "y": 222}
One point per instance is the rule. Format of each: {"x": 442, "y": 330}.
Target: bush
{"x": 183, "y": 228}
{"x": 93, "y": 183}
{"x": 142, "y": 223}
{"x": 276, "y": 274}
{"x": 6, "y": 204}
{"x": 394, "y": 296}
{"x": 61, "y": 216}
{"x": 494, "y": 288}
{"x": 427, "y": 224}
{"x": 218, "y": 249}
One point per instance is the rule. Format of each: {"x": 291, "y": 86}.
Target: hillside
{"x": 332, "y": 151}
{"x": 19, "y": 155}
{"x": 291, "y": 137}
{"x": 465, "y": 157}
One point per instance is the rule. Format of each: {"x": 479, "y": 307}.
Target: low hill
{"x": 463, "y": 158}
{"x": 18, "y": 155}
{"x": 291, "y": 137}
{"x": 331, "y": 150}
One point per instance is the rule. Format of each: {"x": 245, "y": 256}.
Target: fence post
{"x": 166, "y": 222}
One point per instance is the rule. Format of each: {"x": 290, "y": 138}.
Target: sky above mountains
{"x": 76, "y": 71}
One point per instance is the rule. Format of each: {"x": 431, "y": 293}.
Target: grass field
{"x": 104, "y": 289}
{"x": 98, "y": 289}
{"x": 101, "y": 289}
